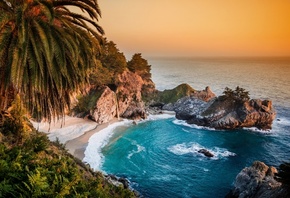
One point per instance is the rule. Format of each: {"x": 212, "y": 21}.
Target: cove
{"x": 161, "y": 159}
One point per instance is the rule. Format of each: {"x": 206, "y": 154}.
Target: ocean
{"x": 160, "y": 155}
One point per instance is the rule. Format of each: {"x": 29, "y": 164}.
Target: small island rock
{"x": 223, "y": 113}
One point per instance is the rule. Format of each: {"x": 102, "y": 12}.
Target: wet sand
{"x": 78, "y": 145}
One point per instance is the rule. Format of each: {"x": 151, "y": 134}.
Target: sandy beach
{"x": 74, "y": 132}
{"x": 78, "y": 145}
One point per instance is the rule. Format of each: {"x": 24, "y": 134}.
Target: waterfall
{"x": 117, "y": 107}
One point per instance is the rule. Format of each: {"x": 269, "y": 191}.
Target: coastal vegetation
{"x": 238, "y": 95}
{"x": 172, "y": 95}
{"x": 46, "y": 51}
{"x": 32, "y": 166}
{"x": 48, "y": 54}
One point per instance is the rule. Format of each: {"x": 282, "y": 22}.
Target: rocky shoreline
{"x": 202, "y": 108}
{"x": 257, "y": 181}
{"x": 134, "y": 97}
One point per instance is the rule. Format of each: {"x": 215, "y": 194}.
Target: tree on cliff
{"x": 139, "y": 65}
{"x": 45, "y": 51}
{"x": 112, "y": 59}
{"x": 239, "y": 94}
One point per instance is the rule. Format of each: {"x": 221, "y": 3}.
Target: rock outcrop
{"x": 226, "y": 115}
{"x": 257, "y": 181}
{"x": 192, "y": 104}
{"x": 106, "y": 107}
{"x": 204, "y": 95}
{"x": 129, "y": 96}
{"x": 123, "y": 99}
{"x": 221, "y": 113}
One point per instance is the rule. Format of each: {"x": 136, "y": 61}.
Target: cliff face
{"x": 224, "y": 115}
{"x": 257, "y": 181}
{"x": 129, "y": 95}
{"x": 104, "y": 104}
{"x": 105, "y": 108}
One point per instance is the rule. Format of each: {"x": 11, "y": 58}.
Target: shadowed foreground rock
{"x": 257, "y": 181}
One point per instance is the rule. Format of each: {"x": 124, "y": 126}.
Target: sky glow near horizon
{"x": 198, "y": 28}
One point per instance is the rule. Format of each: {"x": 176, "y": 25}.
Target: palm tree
{"x": 46, "y": 51}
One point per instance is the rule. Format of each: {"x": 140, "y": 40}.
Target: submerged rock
{"x": 257, "y": 181}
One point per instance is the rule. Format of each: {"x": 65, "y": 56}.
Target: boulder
{"x": 105, "y": 108}
{"x": 257, "y": 181}
{"x": 206, "y": 153}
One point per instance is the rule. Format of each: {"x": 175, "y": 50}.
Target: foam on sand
{"x": 93, "y": 152}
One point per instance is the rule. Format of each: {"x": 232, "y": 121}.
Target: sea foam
{"x": 193, "y": 148}
{"x": 138, "y": 150}
{"x": 194, "y": 126}
{"x": 93, "y": 154}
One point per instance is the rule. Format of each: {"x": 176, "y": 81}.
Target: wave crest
{"x": 193, "y": 148}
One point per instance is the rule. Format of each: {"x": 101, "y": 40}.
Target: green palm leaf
{"x": 46, "y": 51}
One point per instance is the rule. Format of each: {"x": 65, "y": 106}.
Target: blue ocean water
{"x": 160, "y": 157}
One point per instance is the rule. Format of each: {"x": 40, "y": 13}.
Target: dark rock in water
{"x": 257, "y": 181}
{"x": 206, "y": 153}
{"x": 118, "y": 181}
{"x": 124, "y": 181}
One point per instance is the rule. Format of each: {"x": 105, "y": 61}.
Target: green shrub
{"x": 238, "y": 95}
{"x": 36, "y": 167}
{"x": 172, "y": 95}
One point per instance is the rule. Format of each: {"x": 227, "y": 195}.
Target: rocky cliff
{"x": 257, "y": 181}
{"x": 106, "y": 107}
{"x": 130, "y": 103}
{"x": 123, "y": 99}
{"x": 204, "y": 109}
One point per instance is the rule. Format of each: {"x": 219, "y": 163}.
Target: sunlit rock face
{"x": 125, "y": 102}
{"x": 106, "y": 107}
{"x": 220, "y": 113}
{"x": 204, "y": 95}
{"x": 129, "y": 96}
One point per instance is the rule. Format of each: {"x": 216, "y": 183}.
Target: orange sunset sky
{"x": 198, "y": 27}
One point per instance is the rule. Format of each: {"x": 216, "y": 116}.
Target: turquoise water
{"x": 160, "y": 157}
